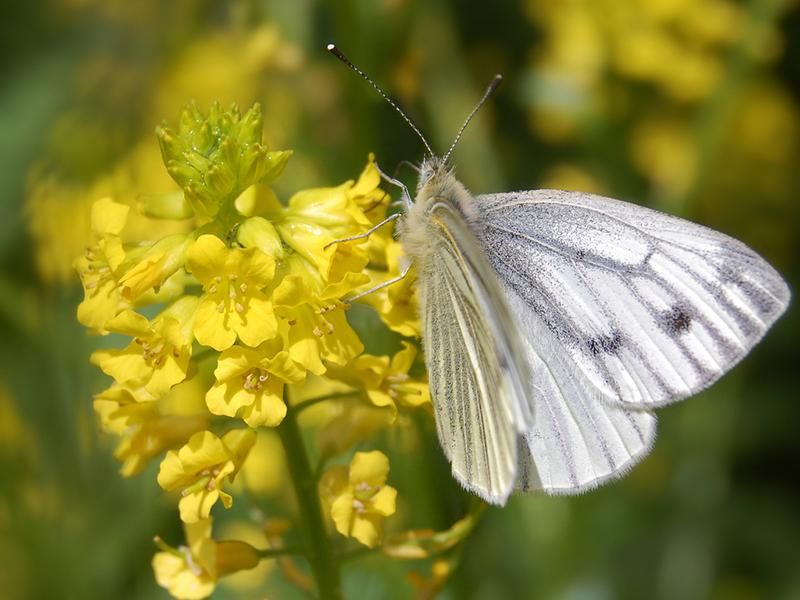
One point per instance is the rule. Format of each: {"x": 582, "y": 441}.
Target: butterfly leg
{"x": 405, "y": 163}
{"x": 367, "y": 233}
{"x": 406, "y": 197}
{"x": 382, "y": 285}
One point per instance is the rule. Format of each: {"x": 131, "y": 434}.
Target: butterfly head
{"x": 432, "y": 171}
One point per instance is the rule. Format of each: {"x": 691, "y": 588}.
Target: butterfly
{"x": 555, "y": 322}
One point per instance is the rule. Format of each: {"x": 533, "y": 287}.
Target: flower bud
{"x": 257, "y": 232}
{"x": 216, "y": 157}
{"x": 165, "y": 206}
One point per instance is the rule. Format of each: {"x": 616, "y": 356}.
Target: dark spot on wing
{"x": 605, "y": 344}
{"x": 646, "y": 260}
{"x": 580, "y": 254}
{"x": 677, "y": 320}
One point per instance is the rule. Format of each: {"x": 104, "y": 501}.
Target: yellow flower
{"x": 233, "y": 305}
{"x": 98, "y": 265}
{"x": 386, "y": 381}
{"x": 316, "y": 217}
{"x": 359, "y": 499}
{"x": 397, "y": 304}
{"x": 250, "y": 383}
{"x": 154, "y": 265}
{"x": 313, "y": 326}
{"x": 191, "y": 572}
{"x": 366, "y": 192}
{"x": 144, "y": 431}
{"x": 159, "y": 355}
{"x": 200, "y": 467}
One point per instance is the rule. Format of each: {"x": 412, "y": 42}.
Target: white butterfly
{"x": 554, "y": 322}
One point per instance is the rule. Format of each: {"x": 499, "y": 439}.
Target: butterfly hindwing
{"x": 579, "y": 438}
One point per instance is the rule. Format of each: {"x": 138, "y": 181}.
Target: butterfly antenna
{"x": 340, "y": 55}
{"x": 489, "y": 91}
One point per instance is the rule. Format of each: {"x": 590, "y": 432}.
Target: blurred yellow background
{"x": 691, "y": 107}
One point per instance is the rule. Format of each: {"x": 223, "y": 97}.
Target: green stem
{"x": 320, "y": 553}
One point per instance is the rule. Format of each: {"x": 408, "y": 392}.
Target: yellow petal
{"x": 347, "y": 283}
{"x": 157, "y": 264}
{"x": 239, "y": 442}
{"x": 108, "y": 217}
{"x": 369, "y": 467}
{"x": 171, "y": 372}
{"x": 255, "y": 266}
{"x": 173, "y": 573}
{"x": 267, "y": 410}
{"x": 196, "y": 534}
{"x": 203, "y": 449}
{"x": 206, "y": 258}
{"x": 284, "y": 367}
{"x": 211, "y": 326}
{"x": 257, "y": 322}
{"x": 170, "y": 473}
{"x": 290, "y": 292}
{"x": 381, "y": 398}
{"x": 368, "y": 180}
{"x": 227, "y": 499}
{"x": 235, "y": 361}
{"x": 384, "y": 501}
{"x": 309, "y": 240}
{"x": 370, "y": 369}
{"x": 123, "y": 365}
{"x": 302, "y": 344}
{"x": 113, "y": 251}
{"x": 332, "y": 484}
{"x": 367, "y": 530}
{"x": 404, "y": 360}
{"x": 343, "y": 343}
{"x": 342, "y": 513}
{"x": 100, "y": 306}
{"x": 130, "y": 323}
{"x": 227, "y": 399}
{"x": 197, "y": 505}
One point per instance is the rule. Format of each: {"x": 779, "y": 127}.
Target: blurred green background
{"x": 688, "y": 106}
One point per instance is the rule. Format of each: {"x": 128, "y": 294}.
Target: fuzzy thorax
{"x": 437, "y": 184}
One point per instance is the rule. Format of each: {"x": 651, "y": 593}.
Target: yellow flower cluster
{"x": 245, "y": 306}
{"x": 644, "y": 67}
{"x": 88, "y": 154}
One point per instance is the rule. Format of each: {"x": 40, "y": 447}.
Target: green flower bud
{"x": 215, "y": 157}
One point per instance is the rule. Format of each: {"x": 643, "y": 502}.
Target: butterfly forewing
{"x": 475, "y": 375}
{"x": 649, "y": 308}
